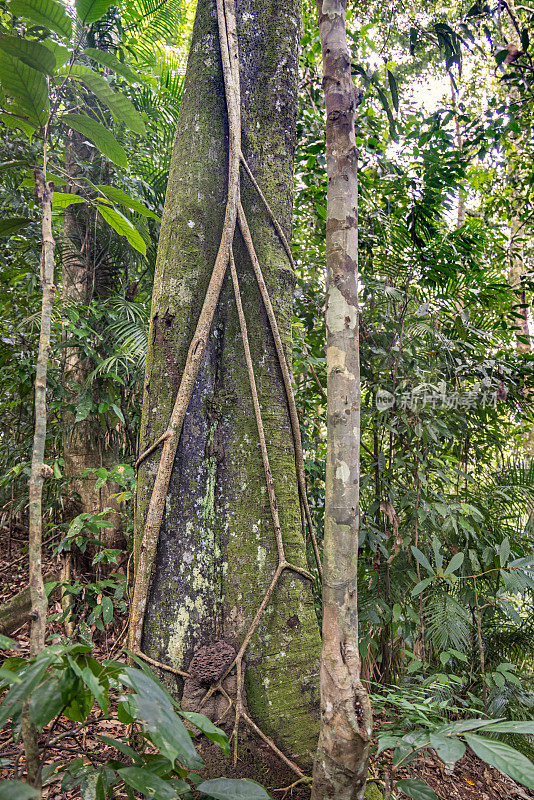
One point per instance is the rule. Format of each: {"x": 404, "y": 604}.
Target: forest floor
{"x": 471, "y": 779}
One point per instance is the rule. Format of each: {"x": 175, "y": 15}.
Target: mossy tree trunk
{"x": 217, "y": 551}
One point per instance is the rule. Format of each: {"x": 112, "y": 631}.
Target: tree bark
{"x": 39, "y": 470}
{"x": 16, "y": 611}
{"x": 86, "y": 445}
{"x": 517, "y": 269}
{"x": 217, "y": 551}
{"x": 341, "y": 761}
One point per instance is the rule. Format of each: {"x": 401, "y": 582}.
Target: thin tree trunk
{"x": 39, "y": 470}
{"x": 516, "y": 274}
{"x": 460, "y": 219}
{"x": 216, "y": 549}
{"x": 341, "y": 762}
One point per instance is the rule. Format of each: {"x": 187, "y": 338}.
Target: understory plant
{"x": 419, "y": 723}
{"x": 64, "y": 682}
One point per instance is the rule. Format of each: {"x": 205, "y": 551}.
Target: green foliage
{"x": 27, "y": 86}
{"x": 99, "y": 135}
{"x": 231, "y": 789}
{"x": 419, "y": 727}
{"x": 16, "y": 790}
{"x": 437, "y": 337}
{"x": 45, "y": 13}
{"x": 66, "y": 681}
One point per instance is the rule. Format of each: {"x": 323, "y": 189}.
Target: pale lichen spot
{"x": 335, "y": 358}
{"x": 339, "y": 311}
{"x": 343, "y": 472}
{"x": 262, "y": 554}
{"x": 176, "y": 640}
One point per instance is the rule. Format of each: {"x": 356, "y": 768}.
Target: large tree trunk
{"x": 340, "y": 769}
{"x": 217, "y": 550}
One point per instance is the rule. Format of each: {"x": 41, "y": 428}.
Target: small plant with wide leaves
{"x": 422, "y": 727}
{"x": 65, "y": 682}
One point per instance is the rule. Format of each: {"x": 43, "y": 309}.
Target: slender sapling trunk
{"x": 341, "y": 760}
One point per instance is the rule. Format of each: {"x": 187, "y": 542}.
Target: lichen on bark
{"x": 217, "y": 551}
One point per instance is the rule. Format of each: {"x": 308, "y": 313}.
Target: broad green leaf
{"x": 403, "y": 754}
{"x": 504, "y": 551}
{"x": 107, "y": 609}
{"x": 20, "y": 691}
{"x": 47, "y": 13}
{"x": 155, "y": 710}
{"x": 27, "y": 86}
{"x": 463, "y": 725}
{"x": 510, "y": 727}
{"x": 17, "y": 790}
{"x": 91, "y": 10}
{"x": 233, "y": 789}
{"x": 64, "y": 199}
{"x": 6, "y": 643}
{"x": 12, "y": 122}
{"x": 503, "y": 757}
{"x": 123, "y": 227}
{"x": 30, "y": 52}
{"x": 421, "y": 586}
{"x": 83, "y": 409}
{"x": 99, "y": 135}
{"x": 415, "y": 789}
{"x": 449, "y": 749}
{"x": 92, "y": 683}
{"x": 148, "y": 783}
{"x": 386, "y": 741}
{"x": 81, "y": 702}
{"x": 121, "y": 198}
{"x": 211, "y": 731}
{"x": 122, "y": 747}
{"x": 455, "y": 563}
{"x": 423, "y": 560}
{"x": 122, "y": 109}
{"x": 106, "y": 59}
{"x": 10, "y": 226}
{"x": 46, "y": 703}
{"x": 436, "y": 547}
{"x": 61, "y": 54}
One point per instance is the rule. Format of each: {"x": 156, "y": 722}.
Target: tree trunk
{"x": 517, "y": 269}
{"x": 341, "y": 762}
{"x": 85, "y": 443}
{"x": 217, "y": 552}
{"x": 39, "y": 470}
{"x": 16, "y": 611}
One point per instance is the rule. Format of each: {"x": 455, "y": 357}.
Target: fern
{"x": 448, "y": 623}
